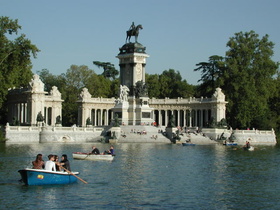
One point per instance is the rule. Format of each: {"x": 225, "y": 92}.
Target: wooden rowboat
{"x": 86, "y": 156}
{"x": 43, "y": 177}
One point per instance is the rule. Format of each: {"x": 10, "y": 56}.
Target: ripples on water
{"x": 148, "y": 176}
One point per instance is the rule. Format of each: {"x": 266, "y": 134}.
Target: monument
{"x": 132, "y": 106}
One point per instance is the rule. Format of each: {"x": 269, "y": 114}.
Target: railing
{"x": 180, "y": 100}
{"x": 23, "y": 128}
{"x": 268, "y": 132}
{"x": 102, "y": 100}
{"x": 52, "y": 128}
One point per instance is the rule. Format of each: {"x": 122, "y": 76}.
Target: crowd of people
{"x": 53, "y": 163}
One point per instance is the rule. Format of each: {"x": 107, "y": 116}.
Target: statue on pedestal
{"x": 58, "y": 120}
{"x": 171, "y": 122}
{"x": 133, "y": 31}
{"x": 88, "y": 122}
{"x": 116, "y": 121}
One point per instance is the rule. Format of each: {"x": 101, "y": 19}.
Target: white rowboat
{"x": 86, "y": 156}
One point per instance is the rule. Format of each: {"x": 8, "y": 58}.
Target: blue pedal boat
{"x": 230, "y": 144}
{"x": 43, "y": 177}
{"x": 188, "y": 144}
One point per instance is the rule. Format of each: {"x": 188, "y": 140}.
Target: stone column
{"x": 95, "y": 117}
{"x": 184, "y": 118}
{"x": 159, "y": 117}
{"x": 190, "y": 125}
{"x": 166, "y": 120}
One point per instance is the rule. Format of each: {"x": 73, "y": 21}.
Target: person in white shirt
{"x": 50, "y": 165}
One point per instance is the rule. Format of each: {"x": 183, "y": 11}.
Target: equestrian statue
{"x": 133, "y": 31}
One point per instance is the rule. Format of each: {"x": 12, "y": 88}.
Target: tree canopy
{"x": 109, "y": 70}
{"x": 246, "y": 75}
{"x": 168, "y": 84}
{"x": 211, "y": 75}
{"x": 15, "y": 57}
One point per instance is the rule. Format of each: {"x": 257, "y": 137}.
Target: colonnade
{"x": 183, "y": 118}
{"x": 101, "y": 117}
{"x": 19, "y": 112}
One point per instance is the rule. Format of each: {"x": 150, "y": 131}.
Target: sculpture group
{"x": 123, "y": 93}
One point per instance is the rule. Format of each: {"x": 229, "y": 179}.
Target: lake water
{"x": 148, "y": 176}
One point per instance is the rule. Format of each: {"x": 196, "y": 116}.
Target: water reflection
{"x": 152, "y": 176}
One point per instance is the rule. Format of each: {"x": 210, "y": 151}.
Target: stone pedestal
{"x": 121, "y": 109}
{"x": 115, "y": 133}
{"x": 144, "y": 113}
{"x": 170, "y": 132}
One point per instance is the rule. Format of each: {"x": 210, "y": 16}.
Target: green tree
{"x": 15, "y": 58}
{"x": 246, "y": 76}
{"x": 99, "y": 86}
{"x": 274, "y": 104}
{"x": 210, "y": 75}
{"x": 115, "y": 86}
{"x": 76, "y": 78}
{"x": 51, "y": 80}
{"x": 109, "y": 70}
{"x": 152, "y": 81}
{"x": 248, "y": 79}
{"x": 172, "y": 85}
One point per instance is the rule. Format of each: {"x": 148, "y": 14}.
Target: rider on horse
{"x": 133, "y": 31}
{"x": 132, "y": 27}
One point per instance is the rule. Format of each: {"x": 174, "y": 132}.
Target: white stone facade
{"x": 190, "y": 112}
{"x": 98, "y": 110}
{"x": 25, "y": 104}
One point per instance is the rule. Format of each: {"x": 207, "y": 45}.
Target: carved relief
{"x": 139, "y": 71}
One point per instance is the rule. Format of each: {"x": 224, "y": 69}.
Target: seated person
{"x": 95, "y": 151}
{"x": 38, "y": 163}
{"x": 56, "y": 161}
{"x": 110, "y": 151}
{"x": 50, "y": 164}
{"x": 65, "y": 162}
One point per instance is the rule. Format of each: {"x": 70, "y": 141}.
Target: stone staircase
{"x": 197, "y": 139}
{"x": 142, "y": 133}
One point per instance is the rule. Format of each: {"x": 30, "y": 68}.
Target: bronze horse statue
{"x": 133, "y": 32}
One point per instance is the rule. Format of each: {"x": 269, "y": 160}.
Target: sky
{"x": 177, "y": 34}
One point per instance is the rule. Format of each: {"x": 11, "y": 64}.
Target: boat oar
{"x": 73, "y": 174}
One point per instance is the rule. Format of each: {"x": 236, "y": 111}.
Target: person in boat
{"x": 65, "y": 162}
{"x": 56, "y": 161}
{"x": 50, "y": 164}
{"x": 110, "y": 151}
{"x": 247, "y": 145}
{"x": 39, "y": 162}
{"x": 95, "y": 151}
